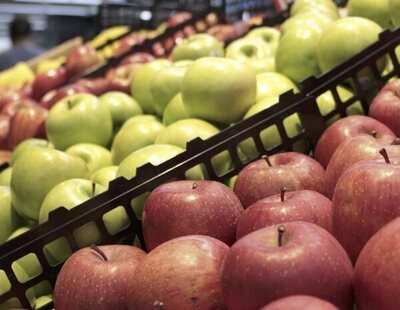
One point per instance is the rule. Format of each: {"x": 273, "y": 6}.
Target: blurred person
{"x": 23, "y": 47}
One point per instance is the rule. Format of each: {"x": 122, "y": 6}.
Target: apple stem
{"x": 93, "y": 188}
{"x": 266, "y": 158}
{"x": 194, "y": 185}
{"x": 100, "y": 252}
{"x": 385, "y": 155}
{"x": 69, "y": 103}
{"x": 374, "y": 133}
{"x": 396, "y": 141}
{"x": 281, "y": 230}
{"x": 283, "y": 191}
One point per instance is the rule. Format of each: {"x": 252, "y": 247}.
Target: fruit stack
{"x": 290, "y": 225}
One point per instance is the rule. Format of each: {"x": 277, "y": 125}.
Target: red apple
{"x": 283, "y": 260}
{"x": 4, "y": 129}
{"x": 46, "y": 81}
{"x": 178, "y": 18}
{"x": 97, "y": 86}
{"x": 26, "y": 90}
{"x": 127, "y": 42}
{"x": 11, "y": 108}
{"x": 10, "y": 95}
{"x": 354, "y": 150}
{"x": 121, "y": 77}
{"x": 80, "y": 59}
{"x": 386, "y": 106}
{"x": 182, "y": 273}
{"x": 347, "y": 128}
{"x": 97, "y": 277}
{"x": 365, "y": 199}
{"x": 376, "y": 276}
{"x": 223, "y": 32}
{"x": 307, "y": 206}
{"x": 139, "y": 57}
{"x": 265, "y": 177}
{"x": 52, "y": 97}
{"x": 5, "y": 156}
{"x": 27, "y": 122}
{"x": 183, "y": 208}
{"x": 300, "y": 302}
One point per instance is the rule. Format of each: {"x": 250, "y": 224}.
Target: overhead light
{"x": 145, "y": 15}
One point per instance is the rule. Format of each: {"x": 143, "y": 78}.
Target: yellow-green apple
{"x": 104, "y": 176}
{"x": 327, "y": 7}
{"x": 218, "y": 89}
{"x": 283, "y": 260}
{"x": 140, "y": 89}
{"x": 134, "y": 136}
{"x": 85, "y": 279}
{"x": 183, "y": 131}
{"x": 27, "y": 145}
{"x": 42, "y": 301}
{"x": 346, "y": 128}
{"x": 36, "y": 172}
{"x": 47, "y": 81}
{"x": 359, "y": 148}
{"x": 296, "y": 56}
{"x": 69, "y": 194}
{"x": 394, "y": 9}
{"x": 294, "y": 170}
{"x": 9, "y": 219}
{"x": 166, "y": 83}
{"x": 5, "y": 177}
{"x": 80, "y": 59}
{"x": 300, "y": 302}
{"x": 386, "y": 106}
{"x": 363, "y": 32}
{"x": 269, "y": 35}
{"x": 304, "y": 205}
{"x": 377, "y": 268}
{"x": 174, "y": 111}
{"x": 121, "y": 106}
{"x": 313, "y": 18}
{"x": 154, "y": 154}
{"x": 79, "y": 118}
{"x": 197, "y": 46}
{"x": 95, "y": 156}
{"x": 193, "y": 262}
{"x": 140, "y": 118}
{"x": 185, "y": 207}
{"x": 273, "y": 84}
{"x": 377, "y": 11}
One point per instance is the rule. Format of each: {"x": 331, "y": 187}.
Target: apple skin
{"x": 154, "y": 154}
{"x": 354, "y": 150}
{"x": 196, "y": 277}
{"x": 80, "y": 59}
{"x": 294, "y": 170}
{"x": 4, "y": 130}
{"x": 174, "y": 111}
{"x": 377, "y": 11}
{"x": 394, "y": 9}
{"x": 183, "y": 208}
{"x": 28, "y": 144}
{"x": 365, "y": 200}
{"x": 310, "y": 261}
{"x": 121, "y": 106}
{"x": 5, "y": 177}
{"x": 139, "y": 57}
{"x": 104, "y": 176}
{"x": 304, "y": 5}
{"x": 300, "y": 302}
{"x": 377, "y": 269}
{"x": 85, "y": 278}
{"x": 273, "y": 84}
{"x": 127, "y": 42}
{"x": 386, "y": 106}
{"x": 46, "y": 81}
{"x": 313, "y": 18}
{"x": 305, "y": 205}
{"x": 218, "y": 89}
{"x": 121, "y": 77}
{"x": 79, "y": 118}
{"x": 136, "y": 134}
{"x": 95, "y": 156}
{"x": 364, "y": 31}
{"x": 269, "y": 35}
{"x": 346, "y": 128}
{"x": 96, "y": 86}
{"x": 9, "y": 219}
{"x": 12, "y": 107}
{"x": 36, "y": 172}
{"x": 10, "y": 95}
{"x": 140, "y": 89}
{"x": 223, "y": 32}
{"x": 52, "y": 97}
{"x": 198, "y": 46}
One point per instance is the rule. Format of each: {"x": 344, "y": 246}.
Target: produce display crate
{"x": 63, "y": 223}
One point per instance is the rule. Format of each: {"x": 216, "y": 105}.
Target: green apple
{"x": 174, "y": 111}
{"x": 231, "y": 182}
{"x": 165, "y": 84}
{"x": 154, "y": 154}
{"x": 345, "y": 38}
{"x": 313, "y": 18}
{"x": 183, "y": 131}
{"x": 42, "y": 301}
{"x": 269, "y": 35}
{"x": 394, "y": 9}
{"x": 121, "y": 106}
{"x": 104, "y": 175}
{"x": 27, "y": 145}
{"x": 140, "y": 118}
{"x": 79, "y": 118}
{"x": 253, "y": 52}
{"x": 95, "y": 156}
{"x": 5, "y": 177}
{"x": 140, "y": 88}
{"x": 134, "y": 136}
{"x": 296, "y": 56}
{"x": 273, "y": 84}
{"x": 36, "y": 172}
{"x": 377, "y": 11}
{"x": 197, "y": 46}
{"x": 218, "y": 89}
{"x": 9, "y": 219}
{"x": 70, "y": 194}
{"x": 326, "y": 6}
{"x": 18, "y": 232}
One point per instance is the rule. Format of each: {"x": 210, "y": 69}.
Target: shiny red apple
{"x": 52, "y": 97}
{"x": 46, "y": 81}
{"x": 11, "y": 108}
{"x": 80, "y": 59}
{"x": 97, "y": 86}
{"x": 127, "y": 42}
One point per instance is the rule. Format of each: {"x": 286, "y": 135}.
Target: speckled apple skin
{"x": 300, "y": 302}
